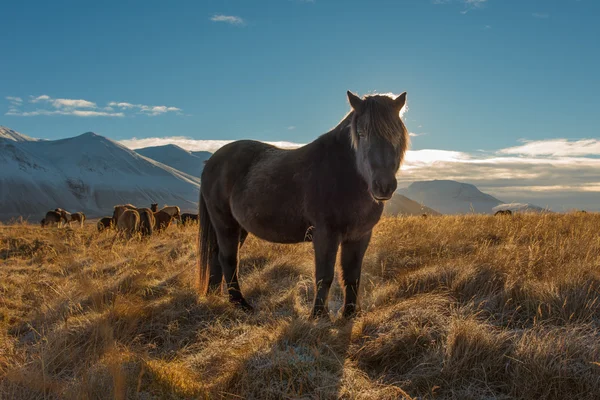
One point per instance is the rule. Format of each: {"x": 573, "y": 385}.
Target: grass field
{"x": 464, "y": 307}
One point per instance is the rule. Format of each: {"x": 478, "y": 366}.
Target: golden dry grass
{"x": 464, "y": 307}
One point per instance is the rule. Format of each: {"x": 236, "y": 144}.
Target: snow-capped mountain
{"x": 451, "y": 197}
{"x": 402, "y": 205}
{"x": 7, "y": 133}
{"x": 176, "y": 157}
{"x": 88, "y": 173}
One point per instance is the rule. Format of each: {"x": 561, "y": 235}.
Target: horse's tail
{"x": 207, "y": 243}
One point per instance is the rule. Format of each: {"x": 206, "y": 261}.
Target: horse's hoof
{"x": 349, "y": 312}
{"x": 243, "y": 304}
{"x": 320, "y": 313}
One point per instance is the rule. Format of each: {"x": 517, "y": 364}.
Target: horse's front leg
{"x": 353, "y": 253}
{"x": 326, "y": 246}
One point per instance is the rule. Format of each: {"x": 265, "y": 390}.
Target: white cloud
{"x": 72, "y": 103}
{"x": 39, "y": 98}
{"x": 84, "y": 108}
{"x": 555, "y": 147}
{"x": 540, "y": 15}
{"x": 76, "y": 113}
{"x": 291, "y": 128}
{"x": 229, "y": 19}
{"x": 121, "y": 105}
{"x": 14, "y": 101}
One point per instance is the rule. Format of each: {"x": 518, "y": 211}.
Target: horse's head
{"x": 154, "y": 207}
{"x": 379, "y": 139}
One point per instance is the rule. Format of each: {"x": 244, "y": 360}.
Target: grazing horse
{"x": 147, "y": 221}
{"x": 78, "y": 217}
{"x": 173, "y": 211}
{"x": 118, "y": 210}
{"x": 334, "y": 187}
{"x": 105, "y": 223}
{"x": 162, "y": 220}
{"x": 128, "y": 222}
{"x": 66, "y": 216}
{"x": 187, "y": 218}
{"x": 52, "y": 217}
{"x": 503, "y": 212}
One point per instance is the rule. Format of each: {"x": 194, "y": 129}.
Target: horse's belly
{"x": 273, "y": 227}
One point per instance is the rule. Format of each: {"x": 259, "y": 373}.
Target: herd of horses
{"x": 127, "y": 219}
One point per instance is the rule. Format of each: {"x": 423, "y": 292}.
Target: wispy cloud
{"x": 555, "y": 148}
{"x": 291, "y": 128}
{"x": 14, "y": 101}
{"x": 229, "y": 19}
{"x": 540, "y": 15}
{"x": 82, "y": 108}
{"x": 145, "y": 109}
{"x": 39, "y": 98}
{"x": 472, "y": 5}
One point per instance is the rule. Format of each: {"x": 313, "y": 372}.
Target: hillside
{"x": 174, "y": 156}
{"x": 402, "y": 205}
{"x": 450, "y": 197}
{"x": 454, "y": 307}
{"x": 88, "y": 173}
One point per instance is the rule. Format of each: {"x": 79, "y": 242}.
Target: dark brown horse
{"x": 52, "y": 217}
{"x": 503, "y": 212}
{"x": 335, "y": 187}
{"x": 162, "y": 220}
{"x": 188, "y": 218}
{"x": 105, "y": 223}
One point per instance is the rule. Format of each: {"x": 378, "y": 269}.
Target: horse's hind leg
{"x": 326, "y": 247}
{"x": 228, "y": 233}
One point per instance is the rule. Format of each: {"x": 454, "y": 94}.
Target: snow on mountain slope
{"x": 451, "y": 197}
{"x": 7, "y": 133}
{"x": 86, "y": 173}
{"x": 176, "y": 157}
{"x": 402, "y": 205}
{"x": 519, "y": 208}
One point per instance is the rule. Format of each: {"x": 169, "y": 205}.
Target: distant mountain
{"x": 451, "y": 197}
{"x": 176, "y": 157}
{"x": 88, "y": 173}
{"x": 402, "y": 205}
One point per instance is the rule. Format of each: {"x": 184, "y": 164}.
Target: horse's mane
{"x": 380, "y": 120}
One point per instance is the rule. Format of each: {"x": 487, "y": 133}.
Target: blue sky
{"x": 480, "y": 74}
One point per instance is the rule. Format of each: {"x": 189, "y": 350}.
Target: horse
{"x": 502, "y": 212}
{"x": 154, "y": 207}
{"x": 105, "y": 223}
{"x": 173, "y": 211}
{"x": 128, "y": 222}
{"x": 147, "y": 221}
{"x": 162, "y": 220}
{"x": 187, "y": 217}
{"x": 65, "y": 216}
{"x": 118, "y": 210}
{"x": 78, "y": 217}
{"x": 52, "y": 217}
{"x": 335, "y": 187}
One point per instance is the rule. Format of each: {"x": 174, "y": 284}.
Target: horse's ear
{"x": 400, "y": 101}
{"x": 355, "y": 101}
